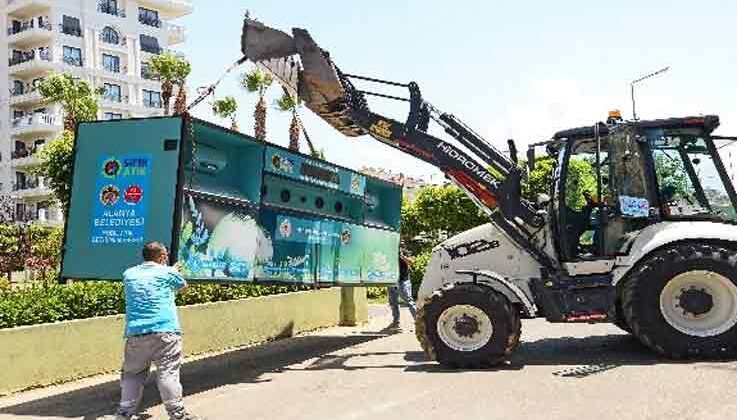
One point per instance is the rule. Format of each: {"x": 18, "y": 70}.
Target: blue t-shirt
{"x": 149, "y": 299}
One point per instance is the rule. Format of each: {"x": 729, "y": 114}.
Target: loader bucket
{"x": 304, "y": 69}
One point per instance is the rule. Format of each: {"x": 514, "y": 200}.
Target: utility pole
{"x": 632, "y": 88}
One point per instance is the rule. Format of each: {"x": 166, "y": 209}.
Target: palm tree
{"x": 291, "y": 103}
{"x": 171, "y": 70}
{"x": 257, "y": 81}
{"x": 227, "y": 108}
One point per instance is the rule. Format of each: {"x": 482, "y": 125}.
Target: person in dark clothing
{"x": 403, "y": 288}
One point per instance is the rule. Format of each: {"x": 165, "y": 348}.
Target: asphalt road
{"x": 560, "y": 372}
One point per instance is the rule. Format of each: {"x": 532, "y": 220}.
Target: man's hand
{"x": 178, "y": 266}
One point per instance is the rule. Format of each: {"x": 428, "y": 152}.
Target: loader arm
{"x": 491, "y": 179}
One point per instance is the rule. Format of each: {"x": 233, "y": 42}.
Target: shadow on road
{"x": 586, "y": 356}
{"x": 579, "y": 358}
{"x": 237, "y": 367}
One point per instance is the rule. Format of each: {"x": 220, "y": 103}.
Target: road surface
{"x": 560, "y": 372}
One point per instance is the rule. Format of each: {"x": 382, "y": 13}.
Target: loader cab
{"x": 614, "y": 179}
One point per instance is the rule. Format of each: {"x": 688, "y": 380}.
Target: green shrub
{"x": 38, "y": 304}
{"x": 376, "y": 293}
{"x": 417, "y": 270}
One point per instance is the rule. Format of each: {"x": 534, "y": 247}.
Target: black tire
{"x": 621, "y": 321}
{"x": 641, "y": 300}
{"x": 504, "y": 318}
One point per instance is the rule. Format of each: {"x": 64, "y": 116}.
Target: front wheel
{"x": 468, "y": 326}
{"x": 682, "y": 302}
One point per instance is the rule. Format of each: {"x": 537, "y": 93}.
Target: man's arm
{"x": 177, "y": 281}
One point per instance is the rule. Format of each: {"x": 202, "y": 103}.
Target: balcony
{"x": 27, "y": 8}
{"x": 30, "y": 33}
{"x": 119, "y": 104}
{"x": 108, "y": 9}
{"x": 30, "y": 97}
{"x": 147, "y": 74}
{"x": 73, "y": 61}
{"x": 169, "y": 9}
{"x": 25, "y": 158}
{"x": 30, "y": 63}
{"x": 108, "y": 42}
{"x": 31, "y": 188}
{"x": 43, "y": 216}
{"x": 71, "y": 30}
{"x": 150, "y": 21}
{"x": 36, "y": 124}
{"x": 175, "y": 53}
{"x": 23, "y": 95}
{"x": 176, "y": 33}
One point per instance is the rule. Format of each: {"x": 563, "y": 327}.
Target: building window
{"x": 113, "y": 116}
{"x": 110, "y": 36}
{"x": 18, "y": 88}
{"x": 150, "y": 44}
{"x": 146, "y": 72}
{"x": 111, "y": 63}
{"x": 73, "y": 56}
{"x": 20, "y": 212}
{"x": 110, "y": 7}
{"x": 149, "y": 17}
{"x": 112, "y": 92}
{"x": 71, "y": 26}
{"x": 151, "y": 99}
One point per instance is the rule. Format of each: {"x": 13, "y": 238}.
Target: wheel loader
{"x": 649, "y": 243}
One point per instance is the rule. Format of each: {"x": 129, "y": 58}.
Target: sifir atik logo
{"x": 114, "y": 167}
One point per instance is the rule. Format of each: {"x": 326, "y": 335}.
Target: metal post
{"x": 632, "y": 87}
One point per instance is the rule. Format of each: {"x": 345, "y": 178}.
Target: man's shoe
{"x": 394, "y": 326}
{"x": 186, "y": 416}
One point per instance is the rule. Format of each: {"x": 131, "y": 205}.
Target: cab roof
{"x": 708, "y": 122}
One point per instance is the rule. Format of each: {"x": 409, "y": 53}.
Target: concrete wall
{"x": 52, "y": 353}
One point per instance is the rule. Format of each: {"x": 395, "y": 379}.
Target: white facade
{"x": 410, "y": 185}
{"x": 106, "y": 42}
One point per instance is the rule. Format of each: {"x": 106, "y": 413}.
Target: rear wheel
{"x": 682, "y": 302}
{"x": 468, "y": 326}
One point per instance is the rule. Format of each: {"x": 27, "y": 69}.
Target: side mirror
{"x": 542, "y": 200}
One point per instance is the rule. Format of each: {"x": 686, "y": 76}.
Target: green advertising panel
{"x": 123, "y": 194}
{"x": 231, "y": 208}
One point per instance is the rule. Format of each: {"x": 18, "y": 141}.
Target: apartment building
{"x": 109, "y": 43}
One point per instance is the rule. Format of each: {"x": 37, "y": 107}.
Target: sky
{"x": 509, "y": 69}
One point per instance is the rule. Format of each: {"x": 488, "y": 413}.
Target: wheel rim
{"x": 464, "y": 327}
{"x": 700, "y": 303}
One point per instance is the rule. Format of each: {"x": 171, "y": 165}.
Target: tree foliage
{"x": 256, "y": 81}
{"x": 437, "y": 212}
{"x": 171, "y": 70}
{"x": 76, "y": 96}
{"x": 671, "y": 173}
{"x": 539, "y": 180}
{"x": 29, "y": 246}
{"x": 7, "y": 208}
{"x": 57, "y": 165}
{"x": 226, "y": 108}
{"x": 581, "y": 177}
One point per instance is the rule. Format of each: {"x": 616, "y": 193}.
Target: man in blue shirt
{"x": 152, "y": 333}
